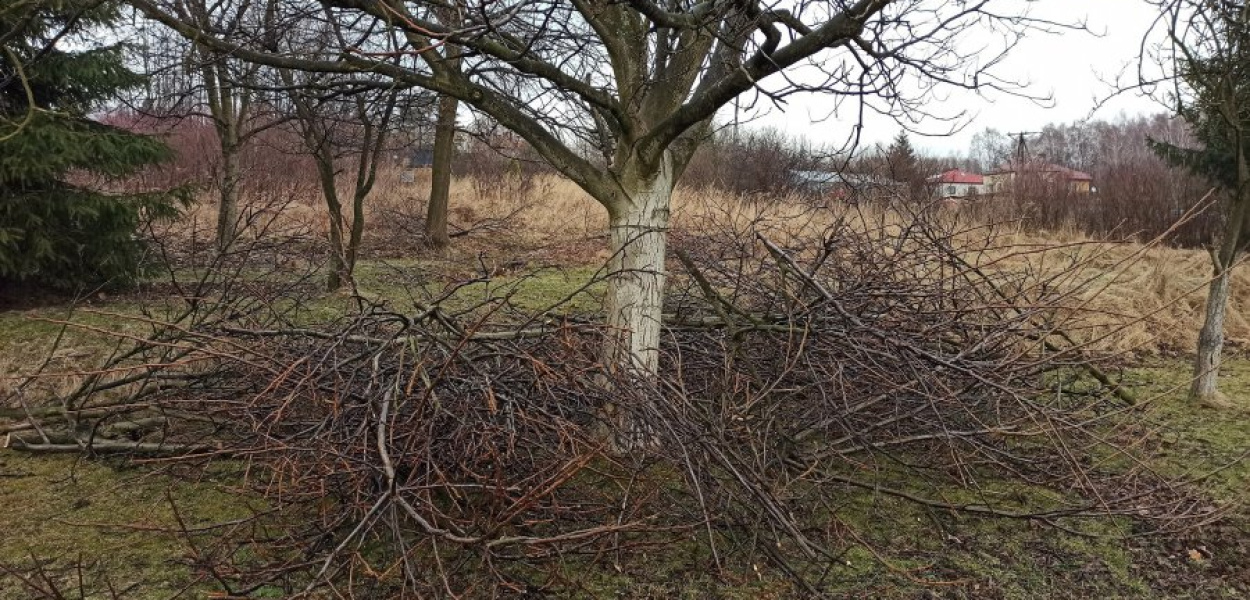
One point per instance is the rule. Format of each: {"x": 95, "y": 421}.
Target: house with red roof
{"x": 956, "y": 183}
{"x": 1037, "y": 174}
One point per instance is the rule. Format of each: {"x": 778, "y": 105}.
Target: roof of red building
{"x": 1074, "y": 175}
{"x": 957, "y": 176}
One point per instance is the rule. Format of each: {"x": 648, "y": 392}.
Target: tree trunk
{"x": 1211, "y": 341}
{"x": 1205, "y": 388}
{"x": 340, "y": 269}
{"x": 228, "y": 210}
{"x": 440, "y": 177}
{"x": 634, "y": 301}
{"x": 638, "y": 230}
{"x": 357, "y": 229}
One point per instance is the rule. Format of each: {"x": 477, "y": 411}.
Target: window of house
{"x": 950, "y": 189}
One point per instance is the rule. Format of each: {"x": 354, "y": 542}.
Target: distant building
{"x": 420, "y": 158}
{"x": 851, "y": 187}
{"x": 1033, "y": 174}
{"x": 956, "y": 183}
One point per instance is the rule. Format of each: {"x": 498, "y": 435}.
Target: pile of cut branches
{"x": 440, "y": 450}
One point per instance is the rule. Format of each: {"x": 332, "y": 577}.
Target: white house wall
{"x": 959, "y": 190}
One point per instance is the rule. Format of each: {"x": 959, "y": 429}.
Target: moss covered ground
{"x": 108, "y": 523}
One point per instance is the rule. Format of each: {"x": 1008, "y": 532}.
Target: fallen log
{"x": 103, "y": 446}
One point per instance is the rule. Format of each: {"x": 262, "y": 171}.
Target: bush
{"x": 68, "y": 238}
{"x": 755, "y": 162}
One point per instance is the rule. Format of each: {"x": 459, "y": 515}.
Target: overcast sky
{"x": 1066, "y": 66}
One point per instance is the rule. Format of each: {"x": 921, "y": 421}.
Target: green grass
{"x": 27, "y": 336}
{"x": 1199, "y": 440}
{"x": 33, "y": 331}
{"x": 404, "y": 286}
{"x": 59, "y": 508}
{"x": 116, "y": 518}
{"x": 114, "y": 521}
{"x": 567, "y": 290}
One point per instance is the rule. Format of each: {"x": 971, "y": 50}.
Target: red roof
{"x": 958, "y": 176}
{"x": 1074, "y": 175}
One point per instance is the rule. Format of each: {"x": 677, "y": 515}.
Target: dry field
{"x": 1139, "y": 302}
{"x": 1129, "y": 299}
{"x": 1142, "y": 298}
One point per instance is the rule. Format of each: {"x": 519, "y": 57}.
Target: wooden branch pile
{"x": 798, "y": 372}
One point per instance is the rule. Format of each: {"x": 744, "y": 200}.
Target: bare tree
{"x": 194, "y": 79}
{"x": 330, "y": 134}
{"x": 1206, "y": 58}
{"x": 230, "y": 106}
{"x": 755, "y": 161}
{"x": 989, "y": 149}
{"x": 1134, "y": 191}
{"x": 641, "y": 81}
{"x": 340, "y": 118}
{"x": 436, "y": 234}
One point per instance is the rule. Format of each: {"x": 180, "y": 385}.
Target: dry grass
{"x": 1137, "y": 297}
{"x": 548, "y": 207}
{"x": 1145, "y": 299}
{"x": 1134, "y": 298}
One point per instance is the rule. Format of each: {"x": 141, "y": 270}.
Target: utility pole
{"x": 1022, "y": 146}
{"x": 1022, "y": 153}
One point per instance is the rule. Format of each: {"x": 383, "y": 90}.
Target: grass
{"x": 562, "y": 289}
{"x": 113, "y": 517}
{"x": 1146, "y": 301}
{"x": 117, "y": 522}
{"x": 1201, "y": 440}
{"x": 893, "y": 549}
{"x": 118, "y": 517}
{"x": 27, "y": 336}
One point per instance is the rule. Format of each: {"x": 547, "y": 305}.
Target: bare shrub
{"x": 498, "y": 163}
{"x": 753, "y": 162}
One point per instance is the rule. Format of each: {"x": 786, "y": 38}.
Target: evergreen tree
{"x": 904, "y": 167}
{"x": 1215, "y": 158}
{"x": 1212, "y": 43}
{"x": 55, "y": 229}
{"x": 900, "y": 152}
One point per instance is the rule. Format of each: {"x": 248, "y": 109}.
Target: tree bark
{"x": 229, "y": 107}
{"x": 357, "y": 230}
{"x": 638, "y": 229}
{"x": 636, "y": 274}
{"x": 1211, "y": 341}
{"x": 1205, "y": 388}
{"x": 436, "y": 235}
{"x": 231, "y": 179}
{"x": 340, "y": 270}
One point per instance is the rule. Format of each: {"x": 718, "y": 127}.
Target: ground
{"x": 107, "y": 523}
{"x": 100, "y": 524}
{"x": 119, "y": 521}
